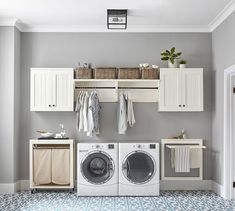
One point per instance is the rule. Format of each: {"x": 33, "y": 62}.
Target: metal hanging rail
{"x": 95, "y": 87}
{"x": 115, "y": 87}
{"x": 137, "y": 87}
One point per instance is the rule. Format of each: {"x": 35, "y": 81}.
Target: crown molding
{"x": 8, "y": 21}
{"x": 12, "y": 22}
{"x": 97, "y": 28}
{"x": 222, "y": 16}
{"x": 19, "y": 25}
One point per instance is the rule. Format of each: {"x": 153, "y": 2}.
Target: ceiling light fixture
{"x": 117, "y": 19}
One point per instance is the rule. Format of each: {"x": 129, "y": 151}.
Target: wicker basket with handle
{"x": 105, "y": 73}
{"x": 128, "y": 73}
{"x": 150, "y": 73}
{"x": 83, "y": 73}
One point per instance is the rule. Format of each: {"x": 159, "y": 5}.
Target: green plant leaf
{"x": 167, "y": 51}
{"x": 165, "y": 58}
{"x": 179, "y": 54}
{"x": 182, "y": 62}
{"x": 173, "y": 50}
{"x": 172, "y": 60}
{"x": 165, "y": 54}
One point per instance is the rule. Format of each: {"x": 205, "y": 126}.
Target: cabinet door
{"x": 192, "y": 90}
{"x": 63, "y": 90}
{"x": 41, "y": 91}
{"x": 170, "y": 90}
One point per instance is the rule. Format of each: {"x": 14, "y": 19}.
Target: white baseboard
{"x": 218, "y": 189}
{"x": 186, "y": 185}
{"x": 8, "y": 187}
{"x": 21, "y": 185}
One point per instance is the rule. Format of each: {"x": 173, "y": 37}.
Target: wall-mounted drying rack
{"x": 191, "y": 146}
{"x": 138, "y": 90}
{"x": 165, "y": 158}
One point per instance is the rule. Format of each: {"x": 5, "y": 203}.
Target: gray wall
{"x": 114, "y": 49}
{"x": 223, "y": 57}
{"x": 7, "y": 104}
{"x": 17, "y": 45}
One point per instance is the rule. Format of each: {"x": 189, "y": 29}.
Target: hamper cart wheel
{"x": 71, "y": 190}
{"x": 33, "y": 190}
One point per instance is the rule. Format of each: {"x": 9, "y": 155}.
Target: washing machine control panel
{"x": 111, "y": 146}
{"x": 101, "y": 146}
{"x": 97, "y": 146}
{"x": 139, "y": 146}
{"x": 144, "y": 146}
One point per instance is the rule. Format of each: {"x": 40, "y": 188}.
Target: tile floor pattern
{"x": 64, "y": 201}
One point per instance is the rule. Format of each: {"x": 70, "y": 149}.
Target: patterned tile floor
{"x": 64, "y": 201}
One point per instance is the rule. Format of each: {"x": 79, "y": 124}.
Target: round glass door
{"x": 97, "y": 167}
{"x": 138, "y": 167}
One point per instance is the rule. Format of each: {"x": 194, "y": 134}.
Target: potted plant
{"x": 171, "y": 56}
{"x": 182, "y": 64}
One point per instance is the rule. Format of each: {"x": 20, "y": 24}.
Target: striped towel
{"x": 182, "y": 159}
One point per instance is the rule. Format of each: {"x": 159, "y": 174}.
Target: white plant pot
{"x": 170, "y": 65}
{"x": 182, "y": 65}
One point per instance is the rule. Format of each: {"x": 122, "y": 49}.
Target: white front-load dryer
{"x": 97, "y": 169}
{"x": 138, "y": 169}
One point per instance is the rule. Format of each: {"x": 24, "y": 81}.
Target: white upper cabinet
{"x": 170, "y": 89}
{"x": 51, "y": 89}
{"x": 192, "y": 90}
{"x": 181, "y": 89}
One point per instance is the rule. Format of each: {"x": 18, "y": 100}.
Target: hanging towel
{"x": 195, "y": 157}
{"x": 182, "y": 159}
{"x": 172, "y": 157}
{"x": 122, "y": 114}
{"x": 130, "y": 112}
{"x": 42, "y": 166}
{"x": 60, "y": 166}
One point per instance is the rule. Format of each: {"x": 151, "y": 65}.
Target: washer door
{"x": 138, "y": 167}
{"x": 97, "y": 167}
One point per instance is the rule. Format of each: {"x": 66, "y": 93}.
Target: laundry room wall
{"x": 222, "y": 40}
{"x": 115, "y": 49}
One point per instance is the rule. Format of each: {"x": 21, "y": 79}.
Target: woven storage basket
{"x": 105, "y": 73}
{"x": 83, "y": 73}
{"x": 128, "y": 73}
{"x": 150, "y": 73}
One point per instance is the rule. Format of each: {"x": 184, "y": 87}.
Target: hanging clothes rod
{"x": 115, "y": 87}
{"x": 95, "y": 87}
{"x": 137, "y": 87}
{"x": 188, "y": 145}
{"x": 51, "y": 147}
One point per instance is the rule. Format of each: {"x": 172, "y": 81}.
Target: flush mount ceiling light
{"x": 116, "y": 19}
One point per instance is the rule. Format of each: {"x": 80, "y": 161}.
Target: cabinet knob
{"x": 49, "y": 105}
{"x": 53, "y": 105}
{"x": 183, "y": 105}
{"x": 179, "y": 105}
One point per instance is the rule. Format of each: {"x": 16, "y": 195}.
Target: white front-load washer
{"x": 138, "y": 169}
{"x": 97, "y": 169}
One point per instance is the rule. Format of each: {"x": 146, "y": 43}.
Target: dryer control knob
{"x": 97, "y": 146}
{"x": 139, "y": 146}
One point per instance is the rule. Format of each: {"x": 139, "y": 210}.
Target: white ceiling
{"x": 90, "y": 15}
